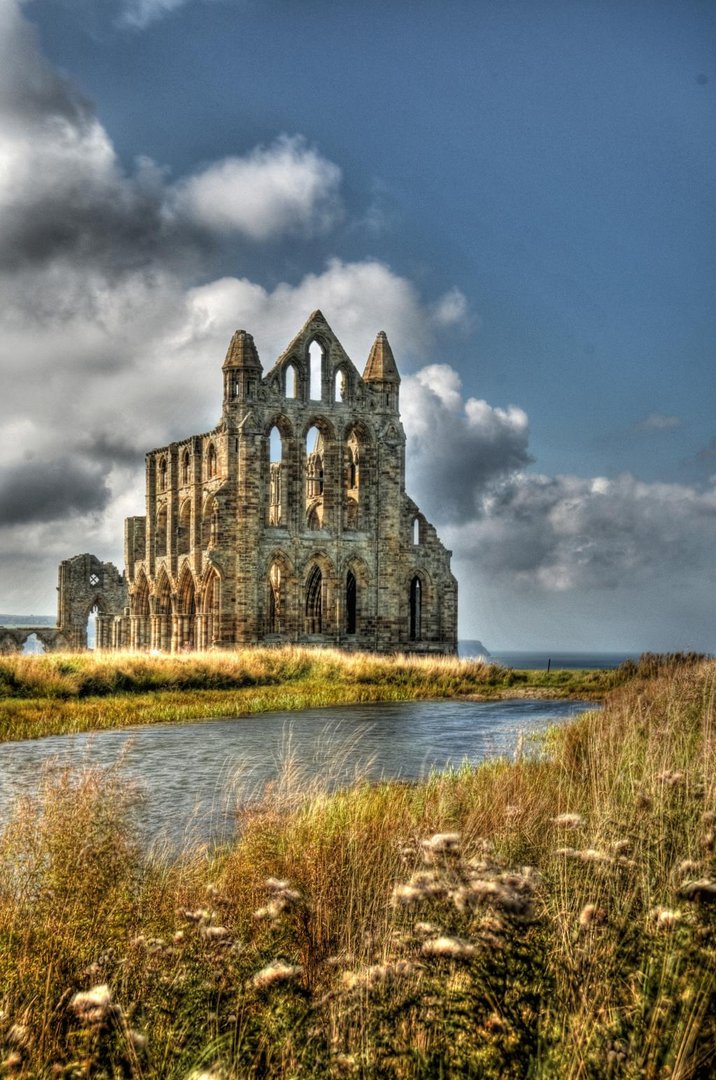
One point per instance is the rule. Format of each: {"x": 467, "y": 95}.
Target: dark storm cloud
{"x": 37, "y": 491}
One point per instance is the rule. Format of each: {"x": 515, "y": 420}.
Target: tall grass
{"x": 56, "y": 694}
{"x": 547, "y": 917}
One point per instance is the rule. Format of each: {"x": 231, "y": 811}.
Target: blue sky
{"x": 521, "y": 194}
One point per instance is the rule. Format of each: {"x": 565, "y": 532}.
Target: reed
{"x": 543, "y": 917}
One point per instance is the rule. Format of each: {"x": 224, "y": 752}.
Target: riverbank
{"x": 59, "y": 694}
{"x": 552, "y": 916}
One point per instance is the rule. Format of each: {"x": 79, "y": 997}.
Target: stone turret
{"x": 381, "y": 371}
{"x": 242, "y": 370}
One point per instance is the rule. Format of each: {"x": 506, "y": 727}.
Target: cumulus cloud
{"x": 658, "y": 422}
{"x": 358, "y": 298}
{"x": 458, "y": 446}
{"x": 285, "y": 188}
{"x": 567, "y": 532}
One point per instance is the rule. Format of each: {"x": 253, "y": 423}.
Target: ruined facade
{"x": 288, "y": 522}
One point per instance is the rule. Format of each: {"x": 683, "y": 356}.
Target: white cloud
{"x": 658, "y": 422}
{"x": 286, "y": 188}
{"x": 452, "y": 309}
{"x": 357, "y": 298}
{"x": 140, "y": 13}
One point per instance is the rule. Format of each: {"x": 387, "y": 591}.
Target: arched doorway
{"x": 33, "y": 646}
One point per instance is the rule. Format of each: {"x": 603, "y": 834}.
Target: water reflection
{"x": 194, "y": 775}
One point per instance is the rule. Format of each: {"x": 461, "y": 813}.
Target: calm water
{"x": 193, "y": 775}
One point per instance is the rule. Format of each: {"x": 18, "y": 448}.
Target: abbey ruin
{"x": 288, "y": 522}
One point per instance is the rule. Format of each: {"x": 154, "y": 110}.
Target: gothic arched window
{"x": 416, "y": 606}
{"x": 314, "y": 602}
{"x": 351, "y": 603}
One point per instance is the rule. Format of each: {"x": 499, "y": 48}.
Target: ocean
{"x": 538, "y": 661}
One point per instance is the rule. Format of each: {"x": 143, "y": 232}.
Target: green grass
{"x": 56, "y": 694}
{"x": 531, "y": 944}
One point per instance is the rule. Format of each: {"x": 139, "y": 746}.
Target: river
{"x": 194, "y": 775}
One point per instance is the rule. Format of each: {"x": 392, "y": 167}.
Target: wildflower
{"x": 18, "y": 1035}
{"x": 590, "y": 915}
{"x": 510, "y": 893}
{"x": 93, "y": 1006}
{"x": 198, "y": 916}
{"x": 214, "y": 933}
{"x": 377, "y": 975}
{"x": 621, "y": 847}
{"x": 137, "y": 1041}
{"x": 666, "y": 919}
{"x": 670, "y": 777}
{"x": 441, "y": 845}
{"x": 275, "y": 885}
{"x": 421, "y": 887}
{"x": 422, "y": 928}
{"x": 275, "y": 974}
{"x": 453, "y": 948}
{"x": 705, "y": 890}
{"x": 569, "y": 821}
{"x": 593, "y": 855}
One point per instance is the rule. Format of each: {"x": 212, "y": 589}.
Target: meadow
{"x": 548, "y": 916}
{"x": 56, "y": 694}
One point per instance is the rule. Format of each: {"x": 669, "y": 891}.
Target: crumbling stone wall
{"x": 85, "y": 583}
{"x": 289, "y": 521}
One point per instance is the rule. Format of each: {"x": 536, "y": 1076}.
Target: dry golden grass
{"x": 549, "y": 917}
{"x": 57, "y": 694}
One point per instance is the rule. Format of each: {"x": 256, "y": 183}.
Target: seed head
{"x": 93, "y": 1006}
{"x": 667, "y": 919}
{"x": 569, "y": 821}
{"x": 453, "y": 948}
{"x": 591, "y": 915}
{"x": 276, "y": 974}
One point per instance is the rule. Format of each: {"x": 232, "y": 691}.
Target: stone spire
{"x": 242, "y": 352}
{"x": 242, "y": 371}
{"x": 381, "y": 366}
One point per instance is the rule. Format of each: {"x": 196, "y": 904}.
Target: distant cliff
{"x": 471, "y": 647}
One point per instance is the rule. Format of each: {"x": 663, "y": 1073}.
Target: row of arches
{"x": 210, "y": 467}
{"x": 316, "y": 380}
{"x": 208, "y": 527}
{"x": 321, "y": 602}
{"x": 177, "y": 619}
{"x": 327, "y": 481}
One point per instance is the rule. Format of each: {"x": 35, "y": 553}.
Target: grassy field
{"x": 56, "y": 694}
{"x": 552, "y": 916}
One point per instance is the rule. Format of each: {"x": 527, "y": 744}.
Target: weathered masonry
{"x": 288, "y": 522}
